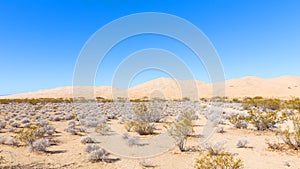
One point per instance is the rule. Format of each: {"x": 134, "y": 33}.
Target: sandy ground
{"x": 69, "y": 152}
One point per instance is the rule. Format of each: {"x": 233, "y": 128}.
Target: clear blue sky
{"x": 40, "y": 40}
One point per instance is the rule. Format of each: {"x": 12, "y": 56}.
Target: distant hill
{"x": 167, "y": 88}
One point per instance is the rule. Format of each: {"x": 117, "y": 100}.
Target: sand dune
{"x": 167, "y": 88}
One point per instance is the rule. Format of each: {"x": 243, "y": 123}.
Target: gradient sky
{"x": 40, "y": 40}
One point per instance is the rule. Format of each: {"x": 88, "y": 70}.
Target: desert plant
{"x": 263, "y": 120}
{"x": 143, "y": 121}
{"x": 97, "y": 155}
{"x": 221, "y": 161}
{"x": 25, "y": 121}
{"x": 2, "y": 124}
{"x": 86, "y": 139}
{"x": 39, "y": 145}
{"x": 238, "y": 120}
{"x": 242, "y": 143}
{"x": 15, "y": 124}
{"x": 43, "y": 122}
{"x": 29, "y": 135}
{"x": 220, "y": 130}
{"x": 182, "y": 128}
{"x": 292, "y": 137}
{"x": 102, "y": 128}
{"x": 216, "y": 148}
{"x": 91, "y": 147}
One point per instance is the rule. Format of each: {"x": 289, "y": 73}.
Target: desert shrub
{"x": 214, "y": 115}
{"x": 102, "y": 128}
{"x": 97, "y": 155}
{"x": 49, "y": 129}
{"x": 220, "y": 130}
{"x": 2, "y": 124}
{"x": 29, "y": 135}
{"x": 264, "y": 120}
{"x": 91, "y": 147}
{"x": 221, "y": 161}
{"x": 272, "y": 104}
{"x": 292, "y": 137}
{"x": 216, "y": 148}
{"x": 86, "y": 139}
{"x": 241, "y": 125}
{"x": 43, "y": 122}
{"x": 39, "y": 145}
{"x": 181, "y": 128}
{"x": 294, "y": 104}
{"x": 144, "y": 128}
{"x": 238, "y": 120}
{"x": 242, "y": 143}
{"x": 143, "y": 121}
{"x": 129, "y": 125}
{"x": 91, "y": 123}
{"x": 71, "y": 128}
{"x": 25, "y": 121}
{"x": 15, "y": 124}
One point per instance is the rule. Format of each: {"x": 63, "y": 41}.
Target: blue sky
{"x": 41, "y": 40}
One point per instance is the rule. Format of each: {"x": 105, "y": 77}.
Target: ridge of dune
{"x": 168, "y": 88}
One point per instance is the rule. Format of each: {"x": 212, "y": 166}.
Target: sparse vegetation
{"x": 102, "y": 128}
{"x": 290, "y": 137}
{"x": 29, "y": 135}
{"x": 182, "y": 128}
{"x": 263, "y": 120}
{"x": 143, "y": 121}
{"x": 242, "y": 143}
{"x": 39, "y": 145}
{"x": 97, "y": 155}
{"x": 86, "y": 139}
{"x": 238, "y": 120}
{"x": 221, "y": 161}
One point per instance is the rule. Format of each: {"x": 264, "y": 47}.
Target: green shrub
{"x": 292, "y": 137}
{"x": 222, "y": 161}
{"x": 239, "y": 121}
{"x": 29, "y": 135}
{"x": 181, "y": 128}
{"x": 264, "y": 120}
{"x": 144, "y": 119}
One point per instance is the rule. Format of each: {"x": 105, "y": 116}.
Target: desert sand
{"x": 282, "y": 87}
{"x": 66, "y": 151}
